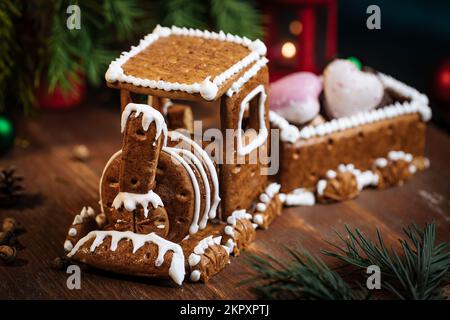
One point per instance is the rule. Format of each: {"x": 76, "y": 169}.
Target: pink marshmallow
{"x": 295, "y": 96}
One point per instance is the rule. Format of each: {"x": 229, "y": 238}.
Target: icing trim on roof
{"x": 207, "y": 88}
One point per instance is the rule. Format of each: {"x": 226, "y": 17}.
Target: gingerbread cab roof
{"x": 186, "y": 64}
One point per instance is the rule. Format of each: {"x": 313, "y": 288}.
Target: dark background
{"x": 412, "y": 44}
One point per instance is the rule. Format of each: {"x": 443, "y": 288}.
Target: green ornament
{"x": 6, "y": 134}
{"x": 356, "y": 62}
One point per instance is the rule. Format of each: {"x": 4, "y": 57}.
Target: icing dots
{"x": 264, "y": 198}
{"x": 250, "y": 73}
{"x": 298, "y": 197}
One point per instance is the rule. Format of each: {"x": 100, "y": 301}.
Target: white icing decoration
{"x": 90, "y": 212}
{"x": 149, "y": 115}
{"x": 201, "y": 170}
{"x": 205, "y": 244}
{"x": 400, "y": 155}
{"x": 363, "y": 179}
{"x": 273, "y": 189}
{"x": 194, "y": 259}
{"x": 366, "y": 178}
{"x": 230, "y": 244}
{"x": 229, "y": 231}
{"x": 264, "y": 198}
{"x": 195, "y": 275}
{"x": 261, "y": 207}
{"x": 250, "y": 73}
{"x": 208, "y": 89}
{"x": 198, "y": 151}
{"x": 176, "y": 270}
{"x": 115, "y": 72}
{"x": 77, "y": 220}
{"x": 263, "y": 132}
{"x": 68, "y": 246}
{"x": 194, "y": 225}
{"x": 131, "y": 200}
{"x": 165, "y": 108}
{"x": 331, "y": 174}
{"x": 321, "y": 185}
{"x": 299, "y": 197}
{"x": 237, "y": 215}
{"x": 381, "y": 162}
{"x": 72, "y": 232}
{"x": 84, "y": 213}
{"x": 288, "y": 132}
{"x": 258, "y": 219}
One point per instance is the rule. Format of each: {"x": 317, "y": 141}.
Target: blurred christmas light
{"x": 288, "y": 50}
{"x": 296, "y": 27}
{"x": 442, "y": 81}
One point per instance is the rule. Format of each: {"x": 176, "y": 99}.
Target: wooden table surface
{"x": 58, "y": 187}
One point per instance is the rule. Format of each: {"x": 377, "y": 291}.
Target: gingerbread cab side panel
{"x": 242, "y": 174}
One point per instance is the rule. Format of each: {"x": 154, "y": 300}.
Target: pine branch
{"x": 121, "y": 16}
{"x": 237, "y": 17}
{"x": 416, "y": 274}
{"x": 8, "y": 11}
{"x": 190, "y": 14}
{"x": 305, "y": 277}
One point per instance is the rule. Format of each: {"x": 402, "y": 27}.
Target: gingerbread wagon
{"x": 166, "y": 207}
{"x": 173, "y": 203}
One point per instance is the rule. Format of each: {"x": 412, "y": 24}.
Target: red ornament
{"x": 295, "y": 38}
{"x": 442, "y": 81}
{"x": 61, "y": 99}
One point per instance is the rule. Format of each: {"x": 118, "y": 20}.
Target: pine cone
{"x": 10, "y": 187}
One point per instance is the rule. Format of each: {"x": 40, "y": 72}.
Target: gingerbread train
{"x": 169, "y": 209}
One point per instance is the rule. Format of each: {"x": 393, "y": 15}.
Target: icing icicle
{"x": 149, "y": 115}
{"x": 131, "y": 200}
{"x": 176, "y": 270}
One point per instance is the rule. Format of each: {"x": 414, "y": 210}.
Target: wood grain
{"x": 66, "y": 185}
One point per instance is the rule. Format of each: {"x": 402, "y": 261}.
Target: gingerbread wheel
{"x": 173, "y": 184}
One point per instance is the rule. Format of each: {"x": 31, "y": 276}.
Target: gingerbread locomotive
{"x": 168, "y": 209}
